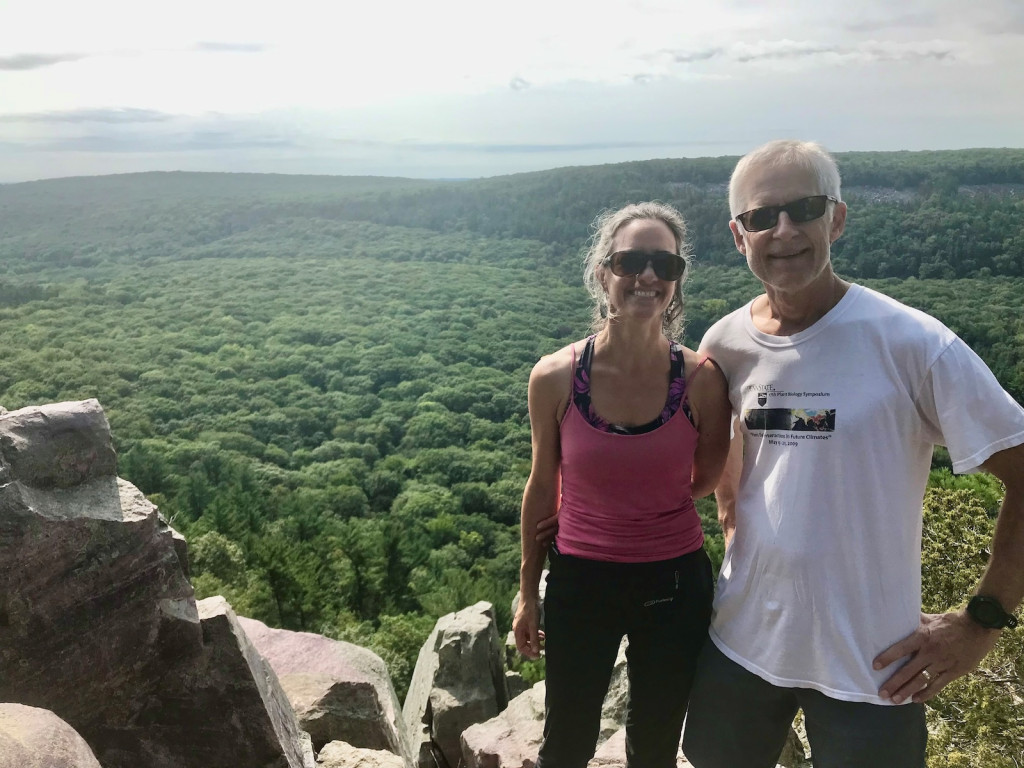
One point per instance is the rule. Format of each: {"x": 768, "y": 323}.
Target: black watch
{"x": 988, "y": 612}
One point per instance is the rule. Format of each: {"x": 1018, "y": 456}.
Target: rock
{"x": 510, "y": 740}
{"x": 98, "y": 622}
{"x": 793, "y": 754}
{"x": 613, "y": 710}
{"x": 338, "y": 754}
{"x": 459, "y": 680}
{"x": 339, "y": 691}
{"x": 37, "y": 738}
{"x": 612, "y": 753}
{"x": 226, "y": 708}
{"x": 516, "y": 684}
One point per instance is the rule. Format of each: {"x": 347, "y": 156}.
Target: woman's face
{"x": 643, "y": 296}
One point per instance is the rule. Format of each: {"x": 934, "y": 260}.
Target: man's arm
{"x": 729, "y": 484}
{"x": 709, "y": 403}
{"x": 949, "y": 645}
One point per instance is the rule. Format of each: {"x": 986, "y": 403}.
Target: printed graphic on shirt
{"x": 790, "y": 419}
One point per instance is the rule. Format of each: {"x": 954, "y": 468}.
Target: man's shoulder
{"x": 876, "y": 306}
{"x": 725, "y": 327}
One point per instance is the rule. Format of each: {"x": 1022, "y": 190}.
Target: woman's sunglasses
{"x": 799, "y": 211}
{"x": 667, "y": 266}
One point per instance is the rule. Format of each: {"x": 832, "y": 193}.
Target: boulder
{"x": 339, "y": 691}
{"x": 98, "y": 622}
{"x": 511, "y": 739}
{"x": 37, "y": 738}
{"x": 459, "y": 680}
{"x": 225, "y": 707}
{"x": 338, "y": 754}
{"x": 612, "y": 753}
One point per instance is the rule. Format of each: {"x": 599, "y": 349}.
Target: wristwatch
{"x": 988, "y": 612}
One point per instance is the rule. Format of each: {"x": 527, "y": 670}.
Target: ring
{"x": 926, "y": 675}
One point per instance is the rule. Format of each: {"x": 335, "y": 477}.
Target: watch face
{"x": 989, "y": 613}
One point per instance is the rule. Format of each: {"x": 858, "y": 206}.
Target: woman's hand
{"x": 526, "y": 627}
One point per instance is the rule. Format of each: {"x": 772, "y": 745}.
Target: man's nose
{"x": 784, "y": 226}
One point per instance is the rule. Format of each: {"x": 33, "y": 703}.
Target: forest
{"x": 321, "y": 381}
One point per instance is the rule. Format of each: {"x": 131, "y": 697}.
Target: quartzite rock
{"x": 511, "y": 739}
{"x": 37, "y": 738}
{"x": 338, "y": 754}
{"x": 98, "y": 622}
{"x": 459, "y": 681}
{"x": 339, "y": 691}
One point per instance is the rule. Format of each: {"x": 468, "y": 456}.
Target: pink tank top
{"x": 626, "y": 498}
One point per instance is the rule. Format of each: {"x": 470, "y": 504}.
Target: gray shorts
{"x": 739, "y": 720}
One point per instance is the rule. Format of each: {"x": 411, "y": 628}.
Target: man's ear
{"x": 737, "y": 236}
{"x": 838, "y": 222}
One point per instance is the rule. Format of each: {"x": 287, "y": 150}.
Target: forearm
{"x": 1004, "y": 576}
{"x": 729, "y": 484}
{"x": 537, "y": 504}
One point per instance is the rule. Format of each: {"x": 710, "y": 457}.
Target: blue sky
{"x": 456, "y": 88}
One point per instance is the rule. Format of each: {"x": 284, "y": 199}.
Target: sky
{"x": 469, "y": 88}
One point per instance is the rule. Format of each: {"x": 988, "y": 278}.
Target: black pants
{"x": 664, "y": 608}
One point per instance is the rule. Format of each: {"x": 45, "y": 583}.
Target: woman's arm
{"x": 709, "y": 404}
{"x": 548, "y": 395}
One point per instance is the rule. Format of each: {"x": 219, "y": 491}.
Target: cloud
{"x": 26, "y": 61}
{"x": 118, "y": 116}
{"x": 689, "y": 57}
{"x": 792, "y": 50}
{"x": 199, "y": 141}
{"x": 518, "y": 84}
{"x": 215, "y": 47}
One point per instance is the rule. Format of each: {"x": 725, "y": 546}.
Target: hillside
{"x": 323, "y": 380}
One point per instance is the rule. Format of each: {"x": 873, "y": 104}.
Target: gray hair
{"x": 599, "y": 250}
{"x": 807, "y": 155}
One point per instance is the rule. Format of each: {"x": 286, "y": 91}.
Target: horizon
{"x": 837, "y": 154}
{"x": 460, "y": 91}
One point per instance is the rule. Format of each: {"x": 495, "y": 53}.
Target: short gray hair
{"x": 599, "y": 250}
{"x": 808, "y": 155}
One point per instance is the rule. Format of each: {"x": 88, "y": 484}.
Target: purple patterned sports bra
{"x": 676, "y": 390}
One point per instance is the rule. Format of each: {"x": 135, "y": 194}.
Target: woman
{"x": 628, "y": 428}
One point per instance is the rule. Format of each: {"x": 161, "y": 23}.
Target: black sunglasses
{"x": 799, "y": 211}
{"x": 667, "y": 266}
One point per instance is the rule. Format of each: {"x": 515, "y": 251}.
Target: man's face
{"x": 789, "y": 257}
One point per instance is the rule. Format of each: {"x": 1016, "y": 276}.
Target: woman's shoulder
{"x": 559, "y": 364}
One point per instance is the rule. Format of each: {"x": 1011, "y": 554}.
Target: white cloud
{"x": 460, "y": 84}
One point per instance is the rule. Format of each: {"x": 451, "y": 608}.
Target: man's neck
{"x": 779, "y": 313}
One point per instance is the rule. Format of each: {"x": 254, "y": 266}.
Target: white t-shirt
{"x": 839, "y": 422}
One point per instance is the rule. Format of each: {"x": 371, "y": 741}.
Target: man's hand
{"x": 526, "y": 627}
{"x": 944, "y": 647}
{"x": 546, "y": 530}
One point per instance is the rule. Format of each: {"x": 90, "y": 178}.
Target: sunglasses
{"x": 799, "y": 211}
{"x": 667, "y": 266}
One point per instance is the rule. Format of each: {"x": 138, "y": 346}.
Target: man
{"x": 819, "y": 603}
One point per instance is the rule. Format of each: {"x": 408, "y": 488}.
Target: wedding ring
{"x": 926, "y": 675}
